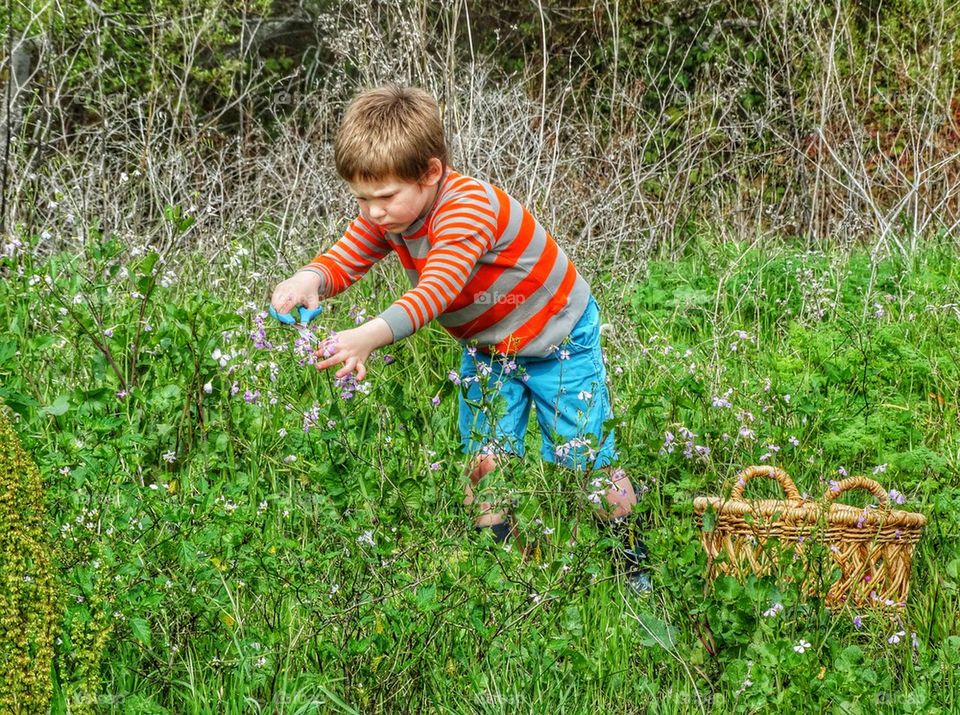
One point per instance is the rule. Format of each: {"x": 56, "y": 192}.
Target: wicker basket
{"x": 872, "y": 546}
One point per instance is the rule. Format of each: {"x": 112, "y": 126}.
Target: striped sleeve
{"x": 461, "y": 230}
{"x": 350, "y": 258}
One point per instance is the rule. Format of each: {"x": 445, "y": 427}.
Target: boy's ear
{"x": 434, "y": 172}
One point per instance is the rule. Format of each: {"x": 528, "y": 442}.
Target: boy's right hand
{"x": 302, "y": 288}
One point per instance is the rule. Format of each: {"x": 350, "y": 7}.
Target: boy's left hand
{"x": 353, "y": 347}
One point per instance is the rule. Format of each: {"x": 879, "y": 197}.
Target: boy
{"x": 493, "y": 277}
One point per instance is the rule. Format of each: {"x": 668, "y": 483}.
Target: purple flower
{"x": 250, "y": 397}
{"x": 435, "y": 400}
{"x": 896, "y": 497}
{"x": 121, "y": 394}
{"x": 841, "y": 471}
{"x": 858, "y": 622}
{"x": 389, "y": 359}
{"x": 435, "y": 466}
{"x": 310, "y": 417}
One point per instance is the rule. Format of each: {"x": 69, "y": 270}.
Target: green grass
{"x": 210, "y": 563}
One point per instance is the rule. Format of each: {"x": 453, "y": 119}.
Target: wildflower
{"x": 434, "y": 466}
{"x": 880, "y": 469}
{"x": 290, "y": 458}
{"x": 668, "y": 443}
{"x": 169, "y": 457}
{"x": 564, "y": 355}
{"x": 773, "y": 610}
{"x": 251, "y": 397}
{"x": 794, "y": 441}
{"x": 721, "y": 403}
{"x": 234, "y": 388}
{"x": 842, "y": 471}
{"x": 282, "y": 432}
{"x": 914, "y": 640}
{"x": 108, "y": 333}
{"x": 584, "y": 395}
{"x": 435, "y": 400}
{"x": 260, "y": 662}
{"x": 860, "y": 521}
{"x": 366, "y": 538}
{"x": 802, "y": 646}
{"x": 310, "y": 417}
{"x": 453, "y": 377}
{"x": 121, "y": 394}
{"x": 858, "y": 622}
{"x": 895, "y": 638}
{"x": 786, "y": 398}
{"x": 208, "y": 387}
{"x": 389, "y": 359}
{"x": 896, "y": 497}
{"x": 65, "y": 471}
{"x": 834, "y": 486}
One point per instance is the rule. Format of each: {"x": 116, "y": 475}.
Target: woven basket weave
{"x": 872, "y": 546}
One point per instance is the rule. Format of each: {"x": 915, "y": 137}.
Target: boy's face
{"x": 394, "y": 204}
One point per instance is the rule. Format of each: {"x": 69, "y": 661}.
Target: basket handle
{"x": 793, "y": 494}
{"x": 859, "y": 483}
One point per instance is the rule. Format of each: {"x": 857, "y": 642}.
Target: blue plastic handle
{"x": 306, "y": 315}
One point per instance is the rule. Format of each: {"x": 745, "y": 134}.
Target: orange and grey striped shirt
{"x": 479, "y": 263}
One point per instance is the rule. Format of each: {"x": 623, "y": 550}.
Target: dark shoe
{"x": 631, "y": 557}
{"x": 501, "y": 531}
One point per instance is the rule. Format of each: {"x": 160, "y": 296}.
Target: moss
{"x": 28, "y": 602}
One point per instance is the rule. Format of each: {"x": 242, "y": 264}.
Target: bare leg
{"x": 620, "y": 496}
{"x": 480, "y": 466}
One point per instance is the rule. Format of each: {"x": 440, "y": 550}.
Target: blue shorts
{"x": 569, "y": 390}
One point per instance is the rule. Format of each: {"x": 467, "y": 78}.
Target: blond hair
{"x": 389, "y": 132}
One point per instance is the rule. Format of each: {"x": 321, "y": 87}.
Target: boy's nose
{"x": 377, "y": 212}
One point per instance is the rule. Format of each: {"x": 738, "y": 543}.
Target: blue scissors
{"x": 306, "y": 315}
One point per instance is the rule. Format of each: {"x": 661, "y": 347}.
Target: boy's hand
{"x": 353, "y": 347}
{"x": 302, "y": 288}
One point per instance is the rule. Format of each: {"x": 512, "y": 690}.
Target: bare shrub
{"x": 799, "y": 119}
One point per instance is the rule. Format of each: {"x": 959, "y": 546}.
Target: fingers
{"x": 334, "y": 359}
{"x": 353, "y": 365}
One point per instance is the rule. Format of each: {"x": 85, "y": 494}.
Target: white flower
{"x": 290, "y": 458}
{"x": 895, "y": 638}
{"x": 169, "y": 457}
{"x": 366, "y": 538}
{"x": 773, "y": 610}
{"x": 208, "y": 387}
{"x": 584, "y": 395}
{"x": 802, "y": 646}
